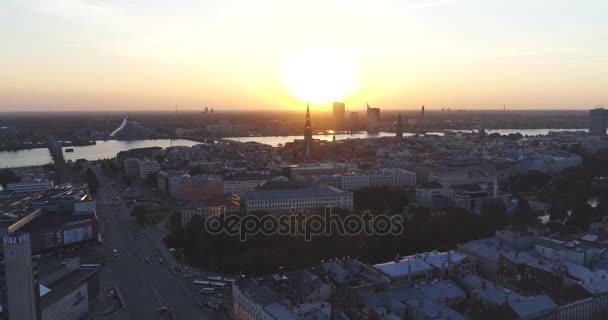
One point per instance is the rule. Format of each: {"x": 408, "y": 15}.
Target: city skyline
{"x": 459, "y": 54}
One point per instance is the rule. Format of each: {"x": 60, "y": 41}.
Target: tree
{"x": 582, "y": 215}
{"x": 139, "y": 212}
{"x": 530, "y": 182}
{"x": 8, "y": 176}
{"x": 421, "y": 214}
{"x": 494, "y": 213}
{"x": 523, "y": 215}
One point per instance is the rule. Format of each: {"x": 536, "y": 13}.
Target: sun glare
{"x": 321, "y": 75}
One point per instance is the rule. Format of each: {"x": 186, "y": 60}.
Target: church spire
{"x": 307, "y": 132}
{"x": 307, "y": 111}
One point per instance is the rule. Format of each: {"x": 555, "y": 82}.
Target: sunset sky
{"x": 276, "y": 54}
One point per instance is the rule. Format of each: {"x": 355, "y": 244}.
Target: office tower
{"x": 307, "y": 133}
{"x": 354, "y": 120}
{"x": 19, "y": 286}
{"x": 598, "y": 121}
{"x": 339, "y": 115}
{"x": 399, "y": 129}
{"x": 373, "y": 119}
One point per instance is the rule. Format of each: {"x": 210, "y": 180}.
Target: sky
{"x": 65, "y": 55}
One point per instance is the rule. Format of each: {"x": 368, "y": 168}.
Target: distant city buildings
{"x": 399, "y": 128}
{"x": 598, "y": 121}
{"x": 339, "y": 114}
{"x": 373, "y": 119}
{"x": 228, "y": 130}
{"x": 354, "y": 120}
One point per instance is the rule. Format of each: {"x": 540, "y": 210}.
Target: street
{"x": 133, "y": 262}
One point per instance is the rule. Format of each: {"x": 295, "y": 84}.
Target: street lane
{"x": 144, "y": 286}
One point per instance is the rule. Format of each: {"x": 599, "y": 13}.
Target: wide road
{"x": 145, "y": 286}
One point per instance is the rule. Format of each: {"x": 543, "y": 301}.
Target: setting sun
{"x": 321, "y": 75}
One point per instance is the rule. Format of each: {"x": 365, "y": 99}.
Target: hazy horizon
{"x": 134, "y": 56}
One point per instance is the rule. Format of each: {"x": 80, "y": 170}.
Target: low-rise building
{"x": 140, "y": 168}
{"x": 30, "y": 186}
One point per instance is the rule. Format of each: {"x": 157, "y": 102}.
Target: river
{"x": 276, "y": 140}
{"x": 103, "y": 149}
{"x": 109, "y": 148}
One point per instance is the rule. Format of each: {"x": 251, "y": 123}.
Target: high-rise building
{"x": 598, "y": 121}
{"x": 399, "y": 129}
{"x": 19, "y": 283}
{"x": 354, "y": 120}
{"x": 339, "y": 115}
{"x": 307, "y": 133}
{"x": 373, "y": 119}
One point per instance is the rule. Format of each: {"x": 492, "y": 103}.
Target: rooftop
{"x": 403, "y": 267}
{"x": 286, "y": 190}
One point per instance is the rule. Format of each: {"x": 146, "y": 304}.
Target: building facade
{"x": 289, "y": 197}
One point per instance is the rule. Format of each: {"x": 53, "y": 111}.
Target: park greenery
{"x": 8, "y": 176}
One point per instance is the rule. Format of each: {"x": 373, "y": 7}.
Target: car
{"x": 146, "y": 260}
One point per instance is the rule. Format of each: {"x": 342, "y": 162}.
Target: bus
{"x": 202, "y": 282}
{"x": 218, "y": 284}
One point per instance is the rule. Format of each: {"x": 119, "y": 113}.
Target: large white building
{"x": 139, "y": 168}
{"x": 242, "y": 186}
{"x": 288, "y": 197}
{"x": 464, "y": 183}
{"x": 169, "y": 182}
{"x": 385, "y": 178}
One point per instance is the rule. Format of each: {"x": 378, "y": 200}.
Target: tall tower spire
{"x": 307, "y": 132}
{"x": 422, "y": 121}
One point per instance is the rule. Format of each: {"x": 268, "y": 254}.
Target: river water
{"x": 276, "y": 140}
{"x": 103, "y": 149}
{"x": 109, "y": 148}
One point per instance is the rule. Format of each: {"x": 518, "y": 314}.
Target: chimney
{"x": 449, "y": 256}
{"x": 397, "y": 258}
